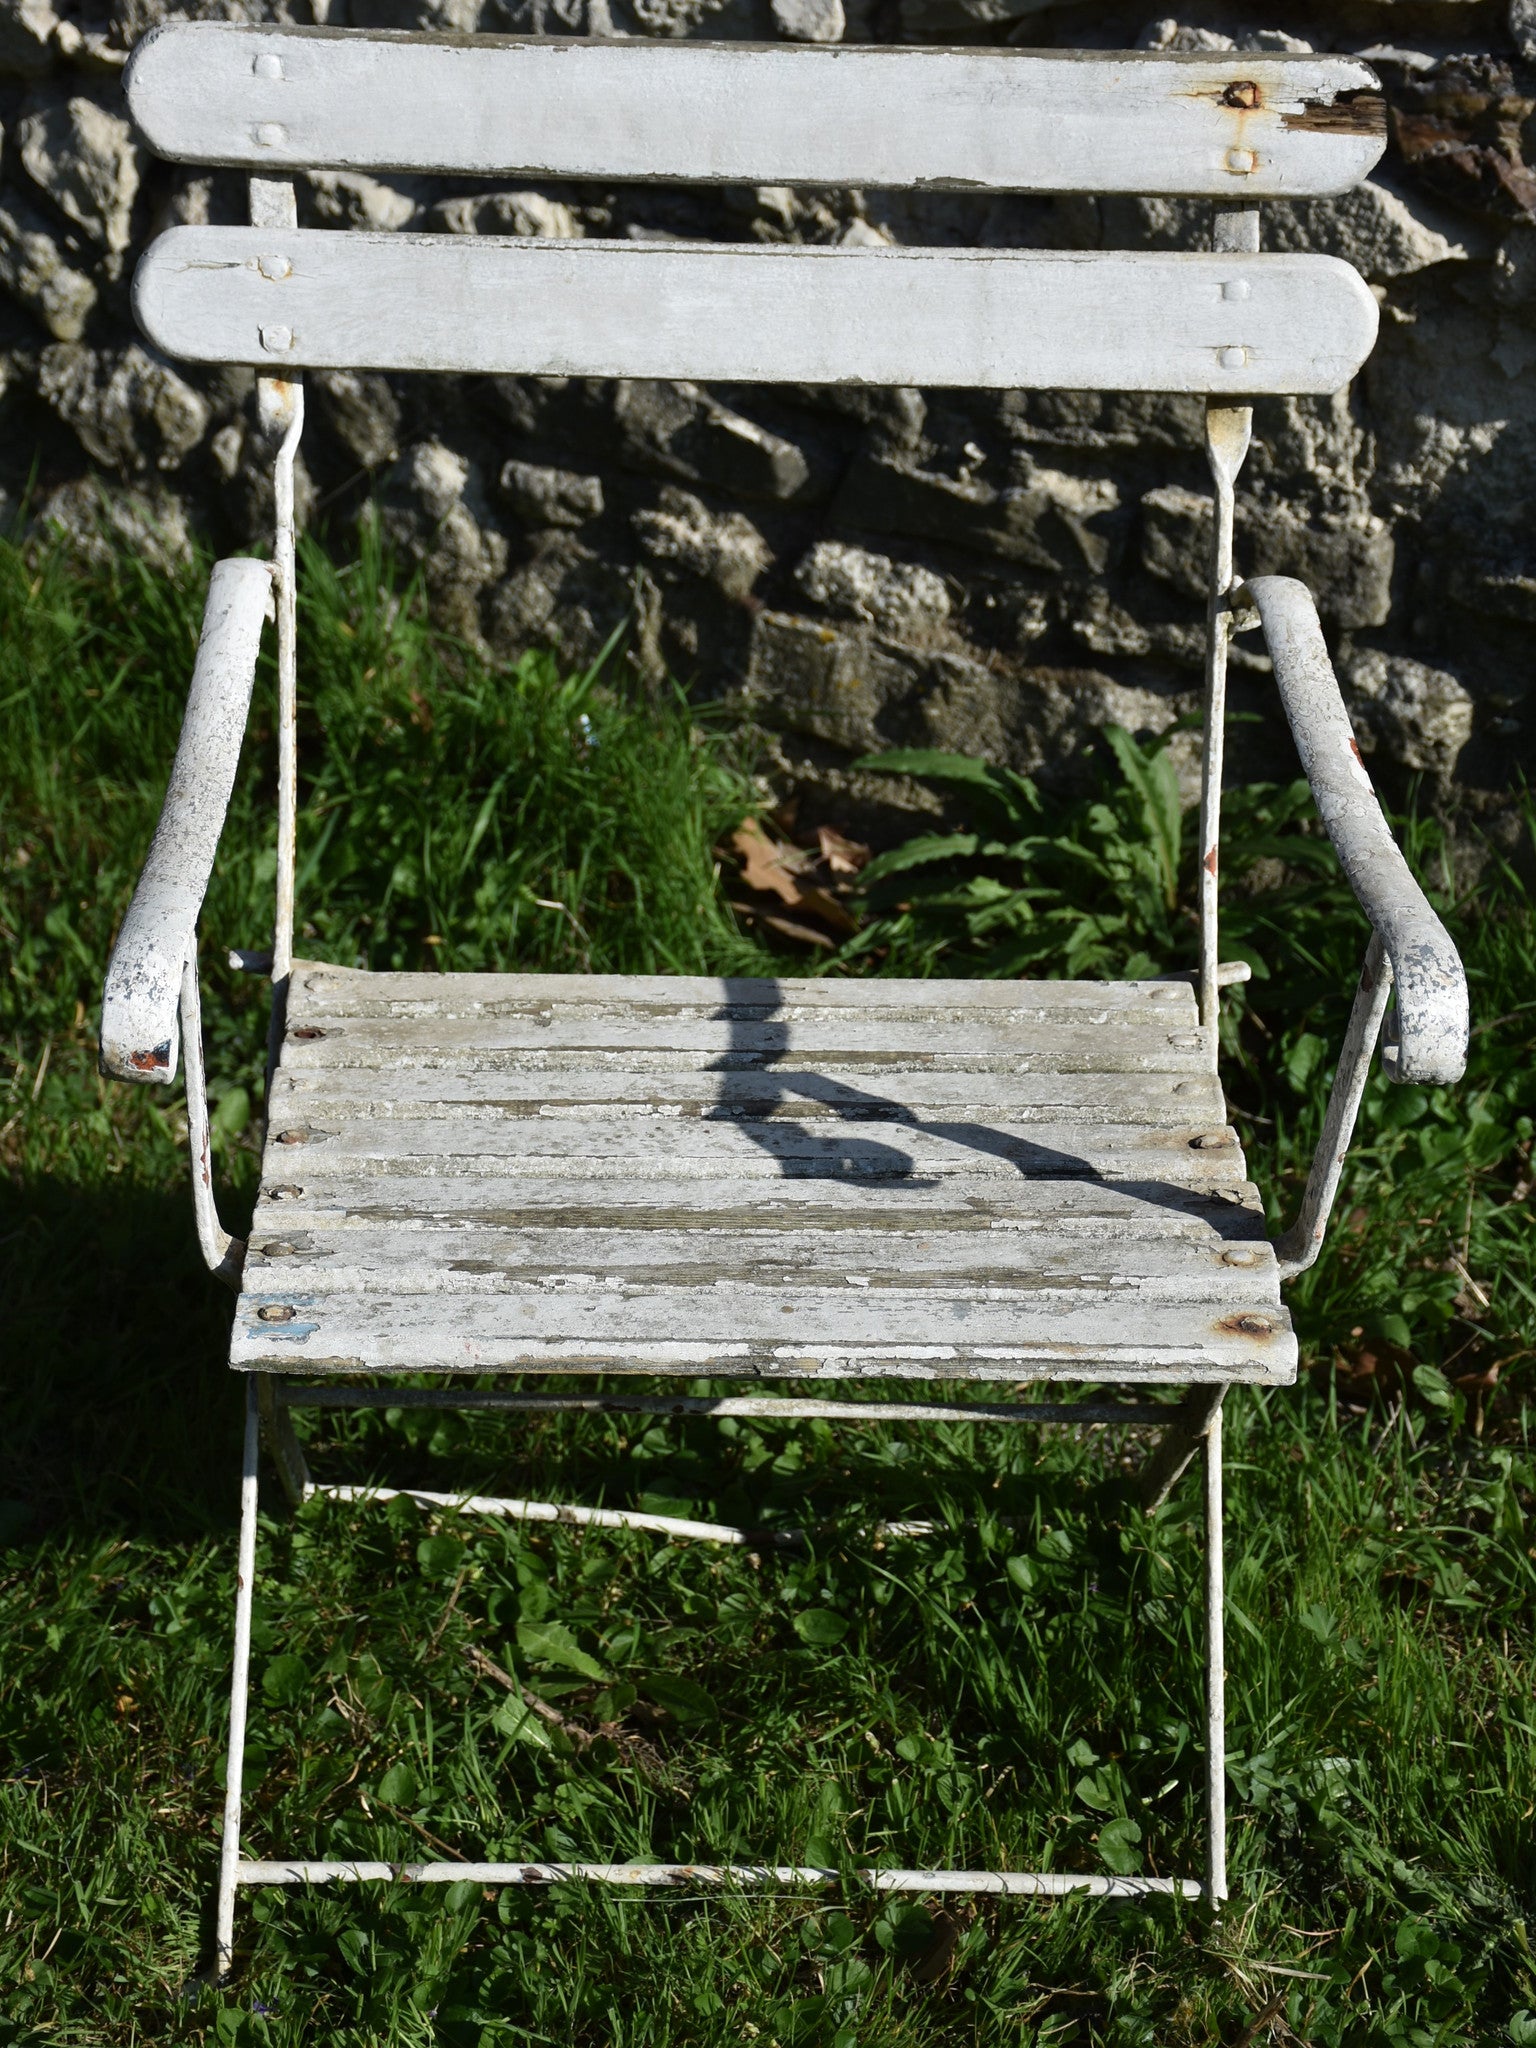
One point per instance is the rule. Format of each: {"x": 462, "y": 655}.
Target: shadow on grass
{"x": 121, "y": 1411}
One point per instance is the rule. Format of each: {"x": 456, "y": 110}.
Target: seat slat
{"x": 1168, "y": 1100}
{"x": 324, "y": 991}
{"x": 1242, "y": 127}
{"x": 1094, "y": 1210}
{"x": 801, "y": 1332}
{"x": 473, "y": 1257}
{"x": 1078, "y": 320}
{"x": 902, "y": 1035}
{"x": 599, "y": 1149}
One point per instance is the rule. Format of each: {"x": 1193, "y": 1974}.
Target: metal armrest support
{"x": 143, "y": 990}
{"x": 1426, "y": 1039}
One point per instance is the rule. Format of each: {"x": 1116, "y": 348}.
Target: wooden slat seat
{"x": 806, "y": 1179}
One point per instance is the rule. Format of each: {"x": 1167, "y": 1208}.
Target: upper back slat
{"x": 1237, "y": 127}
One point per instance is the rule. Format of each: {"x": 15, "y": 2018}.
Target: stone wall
{"x": 998, "y": 573}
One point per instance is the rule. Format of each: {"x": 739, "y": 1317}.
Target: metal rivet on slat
{"x": 276, "y": 340}
{"x": 1232, "y": 358}
{"x": 1247, "y": 1326}
{"x": 274, "y": 268}
{"x": 268, "y": 65}
{"x": 292, "y": 1137}
{"x": 1210, "y": 1141}
{"x": 278, "y": 1249}
{"x": 284, "y": 1194}
{"x": 1242, "y": 161}
{"x": 1240, "y": 1255}
{"x": 1166, "y": 995}
{"x": 271, "y": 134}
{"x": 276, "y": 1312}
{"x": 1236, "y": 288}
{"x": 1184, "y": 1041}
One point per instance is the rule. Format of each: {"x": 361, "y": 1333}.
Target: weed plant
{"x": 1021, "y": 1689}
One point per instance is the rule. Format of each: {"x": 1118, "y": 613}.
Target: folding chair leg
{"x": 1215, "y": 1671}
{"x": 245, "y": 1574}
{"x": 1174, "y": 1452}
{"x": 287, "y": 1452}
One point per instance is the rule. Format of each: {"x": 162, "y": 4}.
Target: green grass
{"x": 1023, "y": 1688}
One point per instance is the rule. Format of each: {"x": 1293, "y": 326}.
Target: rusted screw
{"x": 1210, "y": 1141}
{"x": 292, "y": 1137}
{"x": 1242, "y": 92}
{"x": 307, "y": 1031}
{"x": 1248, "y": 1326}
{"x": 275, "y": 1312}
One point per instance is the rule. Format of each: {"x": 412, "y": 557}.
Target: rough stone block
{"x": 505, "y": 213}
{"x": 833, "y": 683}
{"x": 362, "y": 412}
{"x": 1042, "y": 523}
{"x": 27, "y": 38}
{"x": 129, "y": 410}
{"x": 680, "y": 431}
{"x": 1345, "y": 559}
{"x": 901, "y": 598}
{"x": 37, "y": 275}
{"x": 551, "y": 497}
{"x": 84, "y": 157}
{"x": 1418, "y": 717}
{"x": 810, "y": 21}
{"x": 723, "y": 548}
{"x": 351, "y": 199}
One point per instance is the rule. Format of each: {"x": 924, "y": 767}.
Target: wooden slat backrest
{"x": 1005, "y": 319}
{"x": 1238, "y": 128}
{"x": 1234, "y": 128}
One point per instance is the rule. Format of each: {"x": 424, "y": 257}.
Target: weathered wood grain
{"x": 473, "y": 1258}
{"x": 419, "y": 1211}
{"x": 800, "y": 1333}
{"x": 1168, "y": 1100}
{"x": 1132, "y": 1045}
{"x": 323, "y": 991}
{"x": 755, "y": 1209}
{"x": 980, "y": 318}
{"x": 1243, "y": 125}
{"x": 593, "y": 1149}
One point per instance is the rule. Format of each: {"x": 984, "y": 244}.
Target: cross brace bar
{"x": 1048, "y": 1884}
{"x": 769, "y": 1407}
{"x": 595, "y": 1518}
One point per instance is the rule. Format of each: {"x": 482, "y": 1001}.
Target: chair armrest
{"x": 143, "y": 986}
{"x": 1427, "y": 1039}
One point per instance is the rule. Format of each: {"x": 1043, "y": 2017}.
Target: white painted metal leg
{"x": 1216, "y": 1676}
{"x": 245, "y": 1574}
{"x": 1228, "y": 431}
